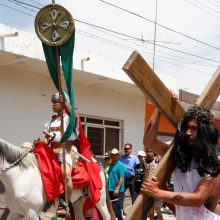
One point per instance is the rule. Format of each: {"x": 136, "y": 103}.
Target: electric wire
{"x": 202, "y": 9}
{"x": 214, "y": 3}
{"x": 37, "y": 3}
{"x": 12, "y": 1}
{"x": 107, "y": 41}
{"x": 158, "y": 51}
{"x": 25, "y": 4}
{"x": 165, "y": 27}
{"x": 206, "y": 6}
{"x": 16, "y": 9}
{"x": 132, "y": 37}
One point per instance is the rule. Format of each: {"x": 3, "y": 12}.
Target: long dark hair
{"x": 205, "y": 149}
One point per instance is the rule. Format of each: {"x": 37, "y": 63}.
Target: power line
{"x": 139, "y": 45}
{"x": 202, "y": 9}
{"x": 16, "y": 9}
{"x": 147, "y": 53}
{"x": 37, "y": 2}
{"x": 25, "y": 4}
{"x": 19, "y": 4}
{"x": 165, "y": 27}
{"x": 190, "y": 61}
{"x": 187, "y": 36}
{"x": 118, "y": 33}
{"x": 164, "y": 42}
{"x": 107, "y": 41}
{"x": 183, "y": 52}
{"x": 206, "y": 6}
{"x": 214, "y": 3}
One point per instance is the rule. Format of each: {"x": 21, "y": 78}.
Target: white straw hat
{"x": 114, "y": 151}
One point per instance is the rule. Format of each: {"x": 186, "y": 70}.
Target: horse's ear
{"x": 4, "y": 143}
{"x": 26, "y": 145}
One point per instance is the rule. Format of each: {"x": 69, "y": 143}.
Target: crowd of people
{"x": 195, "y": 179}
{"x": 127, "y": 172}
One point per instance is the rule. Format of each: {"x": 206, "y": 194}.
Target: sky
{"x": 184, "y": 45}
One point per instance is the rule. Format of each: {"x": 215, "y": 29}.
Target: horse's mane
{"x": 12, "y": 153}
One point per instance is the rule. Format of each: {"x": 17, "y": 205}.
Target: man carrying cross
{"x": 196, "y": 180}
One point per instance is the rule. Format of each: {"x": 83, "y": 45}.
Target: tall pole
{"x": 62, "y": 125}
{"x": 155, "y": 34}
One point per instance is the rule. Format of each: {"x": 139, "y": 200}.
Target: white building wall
{"x": 25, "y": 107}
{"x": 114, "y": 105}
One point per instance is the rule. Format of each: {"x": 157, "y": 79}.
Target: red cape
{"x": 95, "y": 183}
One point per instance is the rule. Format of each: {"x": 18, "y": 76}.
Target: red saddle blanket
{"x": 51, "y": 172}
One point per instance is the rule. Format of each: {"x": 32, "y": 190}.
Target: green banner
{"x": 66, "y": 53}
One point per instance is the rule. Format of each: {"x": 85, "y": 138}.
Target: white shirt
{"x": 187, "y": 182}
{"x": 56, "y": 123}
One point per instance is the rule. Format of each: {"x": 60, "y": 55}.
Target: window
{"x": 96, "y": 139}
{"x": 103, "y": 134}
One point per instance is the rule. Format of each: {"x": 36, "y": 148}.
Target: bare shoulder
{"x": 217, "y": 186}
{"x": 212, "y": 203}
{"x": 215, "y": 183}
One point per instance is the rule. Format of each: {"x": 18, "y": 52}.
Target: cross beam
{"x": 148, "y": 82}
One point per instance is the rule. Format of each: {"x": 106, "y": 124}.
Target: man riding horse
{"x": 75, "y": 142}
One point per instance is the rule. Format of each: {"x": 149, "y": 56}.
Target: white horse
{"x": 24, "y": 193}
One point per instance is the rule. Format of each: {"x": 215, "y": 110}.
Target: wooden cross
{"x": 148, "y": 82}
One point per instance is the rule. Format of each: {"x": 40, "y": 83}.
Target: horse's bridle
{"x": 18, "y": 160}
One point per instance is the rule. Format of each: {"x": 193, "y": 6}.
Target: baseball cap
{"x": 141, "y": 153}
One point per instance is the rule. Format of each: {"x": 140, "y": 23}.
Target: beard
{"x": 190, "y": 146}
{"x": 190, "y": 141}
{"x": 149, "y": 159}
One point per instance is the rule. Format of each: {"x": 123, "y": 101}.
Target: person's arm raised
{"x": 66, "y": 106}
{"x": 150, "y": 135}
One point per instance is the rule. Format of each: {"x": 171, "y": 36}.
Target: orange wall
{"x": 164, "y": 126}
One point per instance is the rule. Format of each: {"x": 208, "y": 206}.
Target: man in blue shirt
{"x": 130, "y": 161}
{"x": 116, "y": 176}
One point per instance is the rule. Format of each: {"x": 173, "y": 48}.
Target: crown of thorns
{"x": 200, "y": 114}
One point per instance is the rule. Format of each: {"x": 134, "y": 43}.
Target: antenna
{"x": 155, "y": 34}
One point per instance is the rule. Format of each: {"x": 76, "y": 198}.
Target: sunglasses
{"x": 107, "y": 158}
{"x": 127, "y": 148}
